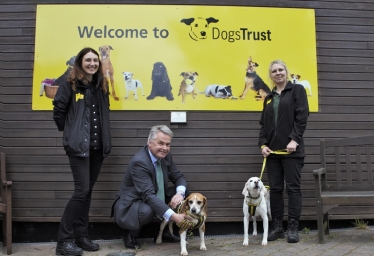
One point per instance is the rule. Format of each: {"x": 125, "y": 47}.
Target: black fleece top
{"x": 293, "y": 112}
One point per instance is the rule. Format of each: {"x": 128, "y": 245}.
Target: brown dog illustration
{"x": 254, "y": 82}
{"x": 107, "y": 67}
{"x": 188, "y": 84}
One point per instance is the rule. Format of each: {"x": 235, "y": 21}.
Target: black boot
{"x": 86, "y": 244}
{"x": 68, "y": 248}
{"x": 276, "y": 231}
{"x": 293, "y": 236}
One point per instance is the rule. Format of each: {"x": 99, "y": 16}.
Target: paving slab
{"x": 346, "y": 242}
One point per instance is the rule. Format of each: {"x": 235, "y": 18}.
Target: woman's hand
{"x": 265, "y": 151}
{"x": 291, "y": 147}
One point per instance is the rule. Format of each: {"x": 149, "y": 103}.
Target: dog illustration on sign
{"x": 160, "y": 82}
{"x": 108, "y": 67}
{"x": 188, "y": 85}
{"x": 305, "y": 83}
{"x": 199, "y": 27}
{"x": 132, "y": 84}
{"x": 253, "y": 81}
{"x": 54, "y": 83}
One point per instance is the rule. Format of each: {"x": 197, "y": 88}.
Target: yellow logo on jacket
{"x": 79, "y": 96}
{"x": 267, "y": 102}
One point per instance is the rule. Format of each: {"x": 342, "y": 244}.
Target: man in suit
{"x": 141, "y": 196}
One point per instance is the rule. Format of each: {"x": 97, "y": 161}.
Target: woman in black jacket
{"x": 283, "y": 122}
{"x": 81, "y": 112}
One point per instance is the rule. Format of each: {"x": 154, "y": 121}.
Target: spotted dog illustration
{"x": 199, "y": 27}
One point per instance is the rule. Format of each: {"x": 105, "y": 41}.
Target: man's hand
{"x": 177, "y": 198}
{"x": 178, "y": 218}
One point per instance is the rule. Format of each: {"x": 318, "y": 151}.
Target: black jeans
{"x": 74, "y": 222}
{"x": 281, "y": 170}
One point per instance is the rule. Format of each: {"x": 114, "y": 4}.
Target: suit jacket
{"x": 139, "y": 185}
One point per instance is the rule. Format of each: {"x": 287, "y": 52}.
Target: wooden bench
{"x": 6, "y": 207}
{"x": 345, "y": 178}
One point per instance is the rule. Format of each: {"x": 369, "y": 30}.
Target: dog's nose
{"x": 193, "y": 210}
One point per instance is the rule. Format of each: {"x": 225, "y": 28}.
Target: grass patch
{"x": 360, "y": 224}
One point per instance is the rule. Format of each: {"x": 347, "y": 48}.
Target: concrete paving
{"x": 351, "y": 242}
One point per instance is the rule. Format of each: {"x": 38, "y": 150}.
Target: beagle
{"x": 195, "y": 206}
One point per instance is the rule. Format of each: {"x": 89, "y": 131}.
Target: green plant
{"x": 306, "y": 230}
{"x": 360, "y": 224}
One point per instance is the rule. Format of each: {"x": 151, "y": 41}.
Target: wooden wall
{"x": 217, "y": 151}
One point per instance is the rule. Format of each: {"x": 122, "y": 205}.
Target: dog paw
{"x": 245, "y": 243}
{"x": 202, "y": 247}
{"x": 184, "y": 252}
{"x": 264, "y": 242}
{"x": 254, "y": 233}
{"x": 158, "y": 240}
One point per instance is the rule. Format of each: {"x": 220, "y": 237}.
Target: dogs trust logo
{"x": 198, "y": 27}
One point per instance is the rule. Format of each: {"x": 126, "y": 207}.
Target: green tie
{"x": 160, "y": 181}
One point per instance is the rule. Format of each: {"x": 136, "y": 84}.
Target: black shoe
{"x": 293, "y": 236}
{"x": 68, "y": 249}
{"x": 169, "y": 237}
{"x": 86, "y": 244}
{"x": 130, "y": 241}
{"x": 276, "y": 231}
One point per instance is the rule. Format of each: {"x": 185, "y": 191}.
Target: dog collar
{"x": 252, "y": 207}
{"x": 190, "y": 225}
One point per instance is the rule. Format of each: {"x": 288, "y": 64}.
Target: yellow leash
{"x": 276, "y": 152}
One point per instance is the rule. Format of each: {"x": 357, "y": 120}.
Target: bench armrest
{"x": 319, "y": 171}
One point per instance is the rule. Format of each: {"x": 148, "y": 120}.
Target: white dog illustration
{"x": 132, "y": 84}
{"x": 305, "y": 83}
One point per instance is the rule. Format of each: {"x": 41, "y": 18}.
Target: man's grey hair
{"x": 159, "y": 128}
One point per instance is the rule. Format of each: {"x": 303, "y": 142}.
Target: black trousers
{"x": 281, "y": 171}
{"x": 74, "y": 222}
{"x": 146, "y": 214}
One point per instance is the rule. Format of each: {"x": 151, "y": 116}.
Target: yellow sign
{"x": 170, "y": 57}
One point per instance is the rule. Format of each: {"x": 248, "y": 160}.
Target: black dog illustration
{"x": 60, "y": 80}
{"x": 160, "y": 82}
{"x": 63, "y": 78}
{"x": 199, "y": 26}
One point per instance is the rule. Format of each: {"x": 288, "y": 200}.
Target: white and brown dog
{"x": 195, "y": 206}
{"x": 132, "y": 84}
{"x": 188, "y": 85}
{"x": 295, "y": 79}
{"x": 256, "y": 203}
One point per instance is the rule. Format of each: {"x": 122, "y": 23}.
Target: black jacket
{"x": 293, "y": 112}
{"x": 71, "y": 113}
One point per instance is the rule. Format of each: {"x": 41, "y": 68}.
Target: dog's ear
{"x": 185, "y": 205}
{"x": 250, "y": 59}
{"x": 182, "y": 74}
{"x": 205, "y": 207}
{"x": 110, "y": 47}
{"x": 298, "y": 77}
{"x": 188, "y": 21}
{"x": 196, "y": 74}
{"x": 245, "y": 191}
{"x": 211, "y": 20}
{"x": 256, "y": 65}
{"x": 292, "y": 75}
